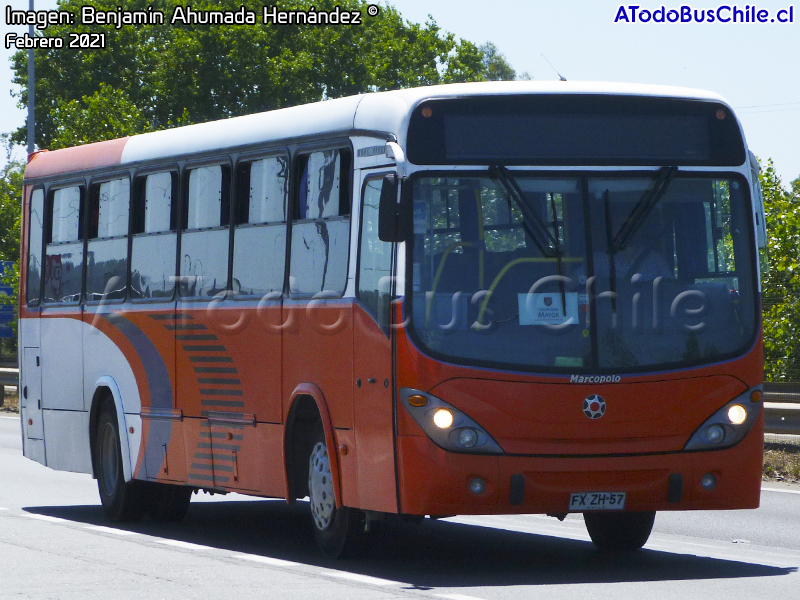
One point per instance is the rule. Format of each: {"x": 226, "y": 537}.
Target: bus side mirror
{"x": 390, "y": 221}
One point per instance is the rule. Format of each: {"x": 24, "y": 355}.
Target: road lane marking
{"x": 5, "y": 417}
{"x": 267, "y": 560}
{"x": 277, "y": 562}
{"x": 46, "y": 518}
{"x": 361, "y": 578}
{"x": 102, "y": 529}
{"x": 457, "y": 597}
{"x": 766, "y": 489}
{"x": 184, "y": 545}
{"x": 1, "y": 508}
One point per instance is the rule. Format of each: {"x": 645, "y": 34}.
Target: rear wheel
{"x": 335, "y": 528}
{"x": 619, "y": 531}
{"x": 121, "y": 500}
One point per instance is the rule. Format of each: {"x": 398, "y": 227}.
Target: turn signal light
{"x": 755, "y": 396}
{"x": 417, "y": 400}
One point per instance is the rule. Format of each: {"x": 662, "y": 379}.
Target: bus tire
{"x": 335, "y": 528}
{"x": 619, "y": 531}
{"x": 121, "y": 500}
{"x": 169, "y": 503}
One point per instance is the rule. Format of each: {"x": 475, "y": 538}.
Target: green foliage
{"x": 106, "y": 115}
{"x": 496, "y": 66}
{"x": 466, "y": 64}
{"x": 10, "y": 202}
{"x": 781, "y": 282}
{"x": 158, "y": 76}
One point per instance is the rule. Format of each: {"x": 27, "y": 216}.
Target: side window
{"x": 375, "y": 258}
{"x": 208, "y": 197}
{"x": 719, "y": 241}
{"x": 33, "y": 284}
{"x": 65, "y": 212}
{"x": 64, "y": 253}
{"x": 204, "y": 242}
{"x": 321, "y": 223}
{"x": 259, "y": 245}
{"x": 107, "y": 253}
{"x": 155, "y": 238}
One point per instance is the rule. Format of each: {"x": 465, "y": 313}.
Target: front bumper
{"x": 433, "y": 481}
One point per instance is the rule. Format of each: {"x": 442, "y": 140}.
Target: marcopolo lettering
{"x": 594, "y": 379}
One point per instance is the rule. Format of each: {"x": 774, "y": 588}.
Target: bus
{"x": 488, "y": 298}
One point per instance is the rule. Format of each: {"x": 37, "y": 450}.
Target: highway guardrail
{"x": 781, "y": 403}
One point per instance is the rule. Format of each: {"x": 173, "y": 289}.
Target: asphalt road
{"x": 55, "y": 543}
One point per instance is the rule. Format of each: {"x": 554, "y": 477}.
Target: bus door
{"x": 373, "y": 410}
{"x": 31, "y": 374}
{"x": 61, "y": 330}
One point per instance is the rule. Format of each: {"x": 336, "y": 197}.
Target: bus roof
{"x": 383, "y": 113}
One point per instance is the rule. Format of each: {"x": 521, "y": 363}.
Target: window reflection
{"x": 260, "y": 235}
{"x": 321, "y": 228}
{"x": 155, "y": 241}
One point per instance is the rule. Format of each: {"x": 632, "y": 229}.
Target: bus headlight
{"x": 447, "y": 426}
{"x": 468, "y": 437}
{"x": 442, "y": 418}
{"x": 729, "y": 424}
{"x": 715, "y": 434}
{"x": 737, "y": 414}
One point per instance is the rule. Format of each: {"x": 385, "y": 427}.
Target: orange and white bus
{"x": 467, "y": 299}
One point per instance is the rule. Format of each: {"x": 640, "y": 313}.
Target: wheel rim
{"x": 109, "y": 459}
{"x": 320, "y": 487}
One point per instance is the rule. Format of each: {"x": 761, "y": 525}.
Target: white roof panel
{"x": 286, "y": 123}
{"x": 380, "y": 111}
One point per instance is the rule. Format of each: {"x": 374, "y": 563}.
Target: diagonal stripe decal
{"x": 212, "y": 460}
{"x": 159, "y": 385}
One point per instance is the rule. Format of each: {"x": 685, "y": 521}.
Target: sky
{"x": 755, "y": 66}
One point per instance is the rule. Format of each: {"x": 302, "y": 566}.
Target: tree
{"x": 495, "y": 64}
{"x": 157, "y": 76}
{"x": 10, "y": 202}
{"x": 781, "y": 280}
{"x": 106, "y": 115}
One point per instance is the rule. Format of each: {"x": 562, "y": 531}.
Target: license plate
{"x": 597, "y": 501}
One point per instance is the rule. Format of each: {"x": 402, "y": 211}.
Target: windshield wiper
{"x": 548, "y": 244}
{"x": 642, "y": 209}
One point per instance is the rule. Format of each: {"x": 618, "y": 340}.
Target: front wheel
{"x": 619, "y": 531}
{"x": 121, "y": 500}
{"x": 335, "y": 528}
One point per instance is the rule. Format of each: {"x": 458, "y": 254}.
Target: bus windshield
{"x": 622, "y": 273}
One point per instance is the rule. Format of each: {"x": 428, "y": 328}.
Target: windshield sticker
{"x": 548, "y": 309}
